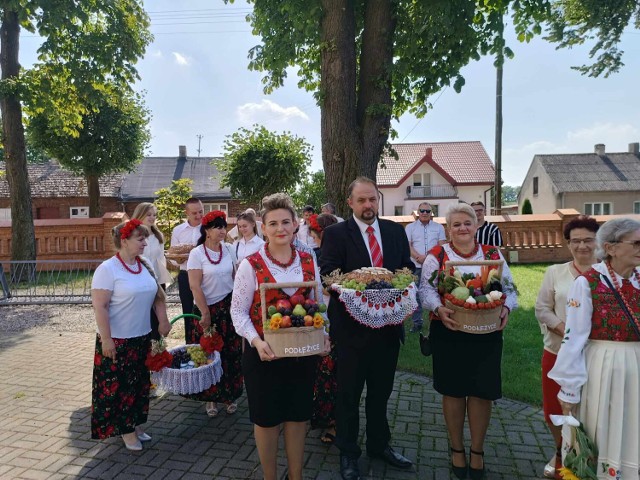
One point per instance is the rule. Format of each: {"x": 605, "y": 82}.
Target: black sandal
{"x": 476, "y": 473}
{"x": 460, "y": 472}
{"x": 328, "y": 438}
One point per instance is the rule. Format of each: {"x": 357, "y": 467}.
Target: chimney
{"x": 182, "y": 152}
{"x": 634, "y": 148}
{"x": 429, "y": 153}
{"x": 599, "y": 149}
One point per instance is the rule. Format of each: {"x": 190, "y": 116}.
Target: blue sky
{"x": 197, "y": 83}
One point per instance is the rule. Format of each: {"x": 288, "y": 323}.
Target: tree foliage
{"x": 311, "y": 191}
{"x": 526, "y": 207}
{"x": 112, "y": 139}
{"x": 170, "y": 202}
{"x": 597, "y": 22}
{"x": 370, "y": 61}
{"x": 258, "y": 163}
{"x": 86, "y": 45}
{"x": 510, "y": 194}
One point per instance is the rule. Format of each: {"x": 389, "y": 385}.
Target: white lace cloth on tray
{"x": 378, "y": 308}
{"x": 187, "y": 382}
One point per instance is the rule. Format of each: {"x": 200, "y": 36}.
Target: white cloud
{"x": 616, "y": 137}
{"x": 181, "y": 59}
{"x": 268, "y": 112}
{"x": 156, "y": 54}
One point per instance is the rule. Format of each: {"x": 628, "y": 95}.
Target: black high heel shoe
{"x": 460, "y": 472}
{"x": 476, "y": 473}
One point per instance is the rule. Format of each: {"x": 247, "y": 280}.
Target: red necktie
{"x": 374, "y": 248}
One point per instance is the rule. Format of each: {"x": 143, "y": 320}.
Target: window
{"x": 598, "y": 208}
{"x": 636, "y": 208}
{"x": 79, "y": 212}
{"x": 209, "y": 207}
{"x": 535, "y": 185}
{"x": 421, "y": 179}
{"x": 398, "y": 210}
{"x": 5, "y": 214}
{"x": 434, "y": 210}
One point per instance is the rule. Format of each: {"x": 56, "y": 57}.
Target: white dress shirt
{"x": 423, "y": 237}
{"x": 365, "y": 236}
{"x": 244, "y": 248}
{"x": 185, "y": 234}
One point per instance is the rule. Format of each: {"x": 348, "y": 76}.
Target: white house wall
{"x": 545, "y": 201}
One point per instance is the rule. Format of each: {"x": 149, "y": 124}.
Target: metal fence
{"x": 52, "y": 282}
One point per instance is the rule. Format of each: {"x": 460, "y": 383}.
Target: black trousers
{"x": 186, "y": 299}
{"x": 373, "y": 364}
{"x": 155, "y": 335}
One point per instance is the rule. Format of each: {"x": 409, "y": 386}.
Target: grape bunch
{"x": 297, "y": 321}
{"x": 402, "y": 281}
{"x": 180, "y": 357}
{"x": 197, "y": 355}
{"x": 354, "y": 284}
{"x": 378, "y": 285}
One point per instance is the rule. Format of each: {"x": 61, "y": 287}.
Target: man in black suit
{"x": 364, "y": 354}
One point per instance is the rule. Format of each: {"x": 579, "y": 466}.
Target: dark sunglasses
{"x": 424, "y": 210}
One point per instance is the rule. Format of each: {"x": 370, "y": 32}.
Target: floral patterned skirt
{"x": 120, "y": 396}
{"x": 324, "y": 392}
{"x": 229, "y": 388}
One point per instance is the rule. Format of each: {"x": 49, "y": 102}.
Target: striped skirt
{"x": 120, "y": 395}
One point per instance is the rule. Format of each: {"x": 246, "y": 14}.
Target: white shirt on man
{"x": 217, "y": 280}
{"x": 132, "y": 297}
{"x": 423, "y": 237}
{"x": 185, "y": 234}
{"x": 305, "y": 237}
{"x": 365, "y": 236}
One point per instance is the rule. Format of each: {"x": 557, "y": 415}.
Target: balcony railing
{"x": 432, "y": 191}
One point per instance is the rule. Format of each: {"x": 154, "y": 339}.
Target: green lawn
{"x": 522, "y": 342}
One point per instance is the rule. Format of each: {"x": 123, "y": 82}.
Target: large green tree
{"x": 85, "y": 43}
{"x": 601, "y": 23}
{"x": 112, "y": 138}
{"x": 311, "y": 191}
{"x": 170, "y": 202}
{"x": 259, "y": 162}
{"x": 369, "y": 61}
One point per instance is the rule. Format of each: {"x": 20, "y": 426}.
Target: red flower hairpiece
{"x": 313, "y": 224}
{"x": 211, "y": 216}
{"x": 129, "y": 227}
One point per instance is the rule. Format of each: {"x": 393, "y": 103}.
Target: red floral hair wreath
{"x": 211, "y": 216}
{"x": 129, "y": 228}
{"x": 313, "y": 224}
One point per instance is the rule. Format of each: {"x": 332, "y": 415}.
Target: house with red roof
{"x": 441, "y": 173}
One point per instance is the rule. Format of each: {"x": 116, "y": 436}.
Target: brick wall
{"x": 52, "y": 208}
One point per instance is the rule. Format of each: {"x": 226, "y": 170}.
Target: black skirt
{"x": 466, "y": 365}
{"x": 278, "y": 391}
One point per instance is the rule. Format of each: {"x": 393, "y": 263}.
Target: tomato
{"x": 474, "y": 306}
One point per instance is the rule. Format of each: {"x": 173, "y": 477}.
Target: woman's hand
{"x": 567, "y": 408}
{"x": 445, "y": 314}
{"x": 264, "y": 350}
{"x": 164, "y": 328}
{"x": 205, "y": 320}
{"x": 504, "y": 318}
{"x": 108, "y": 348}
{"x": 559, "y": 329}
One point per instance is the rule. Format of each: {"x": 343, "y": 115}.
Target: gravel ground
{"x": 63, "y": 318}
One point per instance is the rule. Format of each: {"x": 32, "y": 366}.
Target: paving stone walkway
{"x": 45, "y": 401}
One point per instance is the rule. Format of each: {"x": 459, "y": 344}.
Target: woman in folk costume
{"x": 279, "y": 390}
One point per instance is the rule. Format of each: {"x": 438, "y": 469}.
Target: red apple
{"x": 309, "y": 302}
{"x": 286, "y": 322}
{"x": 308, "y": 321}
{"x": 297, "y": 300}
{"x": 283, "y": 305}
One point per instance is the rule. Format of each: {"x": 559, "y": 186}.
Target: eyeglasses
{"x": 634, "y": 243}
{"x": 424, "y": 210}
{"x": 577, "y": 241}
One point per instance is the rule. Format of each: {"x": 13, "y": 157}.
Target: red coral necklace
{"x": 130, "y": 270}
{"x": 209, "y": 258}
{"x": 466, "y": 255}
{"x": 614, "y": 279}
{"x": 280, "y": 264}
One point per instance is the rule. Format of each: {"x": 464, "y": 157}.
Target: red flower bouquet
{"x": 211, "y": 341}
{"x": 158, "y": 357}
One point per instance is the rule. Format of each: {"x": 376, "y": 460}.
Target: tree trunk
{"x": 23, "y": 245}
{"x": 93, "y": 189}
{"x": 341, "y": 144}
{"x": 374, "y": 92}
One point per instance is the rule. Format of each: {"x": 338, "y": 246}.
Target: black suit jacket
{"x": 343, "y": 247}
